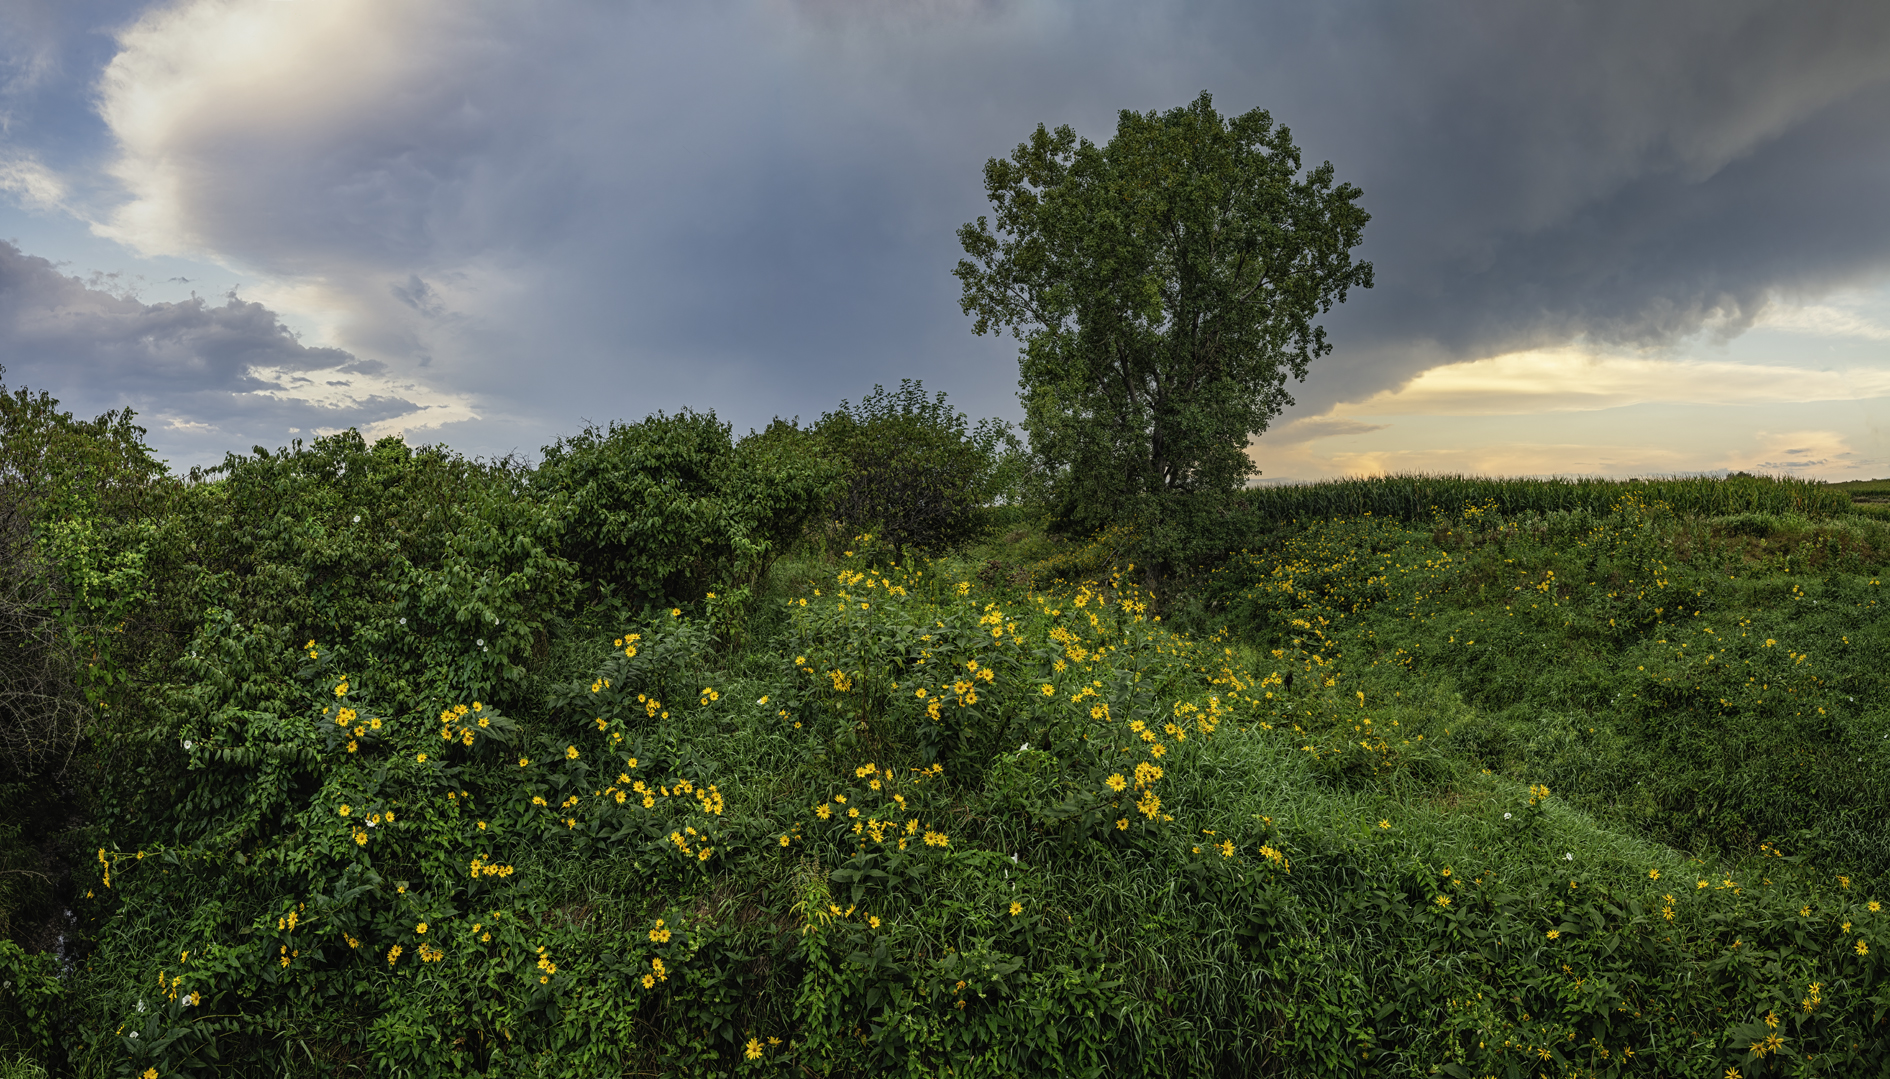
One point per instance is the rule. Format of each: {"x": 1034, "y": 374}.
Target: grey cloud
{"x": 54, "y": 323}
{"x": 420, "y": 296}
{"x": 599, "y": 210}
{"x": 190, "y": 368}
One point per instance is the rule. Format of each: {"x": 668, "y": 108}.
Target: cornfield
{"x": 1421, "y": 497}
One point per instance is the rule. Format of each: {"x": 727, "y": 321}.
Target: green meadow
{"x": 366, "y": 759}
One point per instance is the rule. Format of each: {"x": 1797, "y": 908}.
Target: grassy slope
{"x": 1702, "y": 683}
{"x": 1141, "y": 947}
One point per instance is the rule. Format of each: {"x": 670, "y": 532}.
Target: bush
{"x": 917, "y": 473}
{"x": 669, "y": 507}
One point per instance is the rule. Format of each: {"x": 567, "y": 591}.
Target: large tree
{"x": 1163, "y": 286}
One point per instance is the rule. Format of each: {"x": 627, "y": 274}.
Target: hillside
{"x": 400, "y": 762}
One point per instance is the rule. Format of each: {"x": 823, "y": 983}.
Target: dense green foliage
{"x": 1698, "y": 682}
{"x": 917, "y": 472}
{"x": 386, "y": 760}
{"x": 1163, "y": 285}
{"x": 663, "y": 508}
{"x": 80, "y": 516}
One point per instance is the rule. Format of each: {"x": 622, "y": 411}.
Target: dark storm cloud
{"x": 593, "y": 211}
{"x": 1627, "y": 173}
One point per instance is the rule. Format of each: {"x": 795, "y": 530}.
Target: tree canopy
{"x": 1163, "y": 286}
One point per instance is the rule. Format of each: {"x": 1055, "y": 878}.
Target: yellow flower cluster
{"x": 469, "y": 728}
{"x": 898, "y": 827}
{"x": 682, "y": 840}
{"x": 480, "y": 867}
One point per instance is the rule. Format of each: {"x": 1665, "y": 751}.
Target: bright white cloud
{"x": 227, "y": 112}
{"x": 346, "y": 393}
{"x": 1576, "y": 379}
{"x": 33, "y": 184}
{"x": 1826, "y": 320}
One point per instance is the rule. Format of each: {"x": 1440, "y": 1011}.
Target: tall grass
{"x": 1412, "y": 497}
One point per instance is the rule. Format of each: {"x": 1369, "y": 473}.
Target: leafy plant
{"x": 668, "y": 508}
{"x": 918, "y": 473}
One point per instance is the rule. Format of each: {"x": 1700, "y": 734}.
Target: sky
{"x": 1610, "y": 238}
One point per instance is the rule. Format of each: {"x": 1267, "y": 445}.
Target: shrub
{"x": 668, "y": 507}
{"x": 917, "y": 473}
